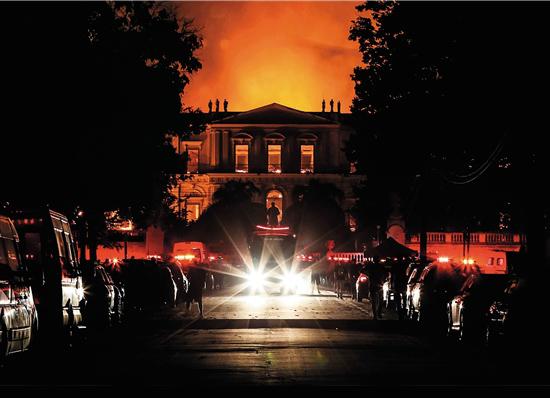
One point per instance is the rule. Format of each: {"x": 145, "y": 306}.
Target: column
{"x": 225, "y": 158}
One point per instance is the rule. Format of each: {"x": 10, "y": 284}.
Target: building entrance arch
{"x": 275, "y": 196}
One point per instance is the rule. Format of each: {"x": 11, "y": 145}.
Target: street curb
{"x": 386, "y": 326}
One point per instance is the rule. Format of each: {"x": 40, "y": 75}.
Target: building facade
{"x": 487, "y": 250}
{"x": 275, "y": 147}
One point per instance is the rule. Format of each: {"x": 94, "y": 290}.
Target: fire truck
{"x": 273, "y": 265}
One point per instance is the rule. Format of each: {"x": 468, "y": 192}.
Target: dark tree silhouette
{"x": 231, "y": 218}
{"x": 440, "y": 110}
{"x": 316, "y": 215}
{"x": 108, "y": 79}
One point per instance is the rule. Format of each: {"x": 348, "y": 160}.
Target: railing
{"x": 241, "y": 167}
{"x": 357, "y": 257}
{"x": 274, "y": 168}
{"x": 500, "y": 238}
{"x": 457, "y": 238}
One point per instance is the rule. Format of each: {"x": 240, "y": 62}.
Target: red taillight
{"x": 362, "y": 279}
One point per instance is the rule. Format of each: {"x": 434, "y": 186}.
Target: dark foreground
{"x": 273, "y": 340}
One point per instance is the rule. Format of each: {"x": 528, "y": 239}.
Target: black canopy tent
{"x": 390, "y": 248}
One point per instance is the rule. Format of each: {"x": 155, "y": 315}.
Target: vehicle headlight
{"x": 256, "y": 280}
{"x": 291, "y": 280}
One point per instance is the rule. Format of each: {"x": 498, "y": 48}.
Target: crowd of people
{"x": 341, "y": 277}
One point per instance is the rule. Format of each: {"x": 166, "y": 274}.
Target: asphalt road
{"x": 264, "y": 340}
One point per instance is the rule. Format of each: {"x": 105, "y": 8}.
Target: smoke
{"x": 256, "y": 53}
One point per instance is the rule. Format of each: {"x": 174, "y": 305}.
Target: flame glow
{"x": 257, "y": 53}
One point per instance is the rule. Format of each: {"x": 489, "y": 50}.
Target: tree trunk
{"x": 423, "y": 238}
{"x": 93, "y": 231}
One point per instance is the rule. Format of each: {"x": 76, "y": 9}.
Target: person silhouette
{"x": 225, "y": 103}
{"x": 332, "y": 105}
{"x": 273, "y": 215}
{"x": 217, "y": 105}
{"x": 339, "y": 106}
{"x": 197, "y": 279}
{"x": 376, "y": 275}
{"x": 210, "y": 106}
{"x": 323, "y": 105}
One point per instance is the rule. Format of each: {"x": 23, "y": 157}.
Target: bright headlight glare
{"x": 255, "y": 279}
{"x": 291, "y": 280}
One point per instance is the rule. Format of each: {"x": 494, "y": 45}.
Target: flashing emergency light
{"x": 272, "y": 228}
{"x": 185, "y": 257}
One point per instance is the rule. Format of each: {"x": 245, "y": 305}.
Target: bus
{"x": 18, "y": 321}
{"x": 273, "y": 266}
{"x": 49, "y": 251}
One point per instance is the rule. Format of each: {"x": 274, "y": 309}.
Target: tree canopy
{"x": 444, "y": 102}
{"x": 230, "y": 220}
{"x": 316, "y": 215}
{"x": 96, "y": 96}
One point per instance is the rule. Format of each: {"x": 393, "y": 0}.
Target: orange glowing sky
{"x": 256, "y": 53}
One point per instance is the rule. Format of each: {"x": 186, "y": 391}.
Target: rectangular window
{"x": 192, "y": 160}
{"x": 193, "y": 211}
{"x": 306, "y": 159}
{"x": 274, "y": 158}
{"x": 241, "y": 158}
{"x": 11, "y": 253}
{"x": 3, "y": 254}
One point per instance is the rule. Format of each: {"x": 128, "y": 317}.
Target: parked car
{"x": 115, "y": 274}
{"x": 362, "y": 285}
{"x": 180, "y": 279}
{"x": 168, "y": 290}
{"x": 504, "y": 315}
{"x": 467, "y": 310}
{"x": 103, "y": 299}
{"x": 18, "y": 315}
{"x": 429, "y": 295}
{"x": 414, "y": 275}
{"x": 388, "y": 294}
{"x": 148, "y": 284}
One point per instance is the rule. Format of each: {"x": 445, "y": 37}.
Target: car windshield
{"x": 9, "y": 255}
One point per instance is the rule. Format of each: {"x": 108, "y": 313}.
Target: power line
{"x": 471, "y": 177}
